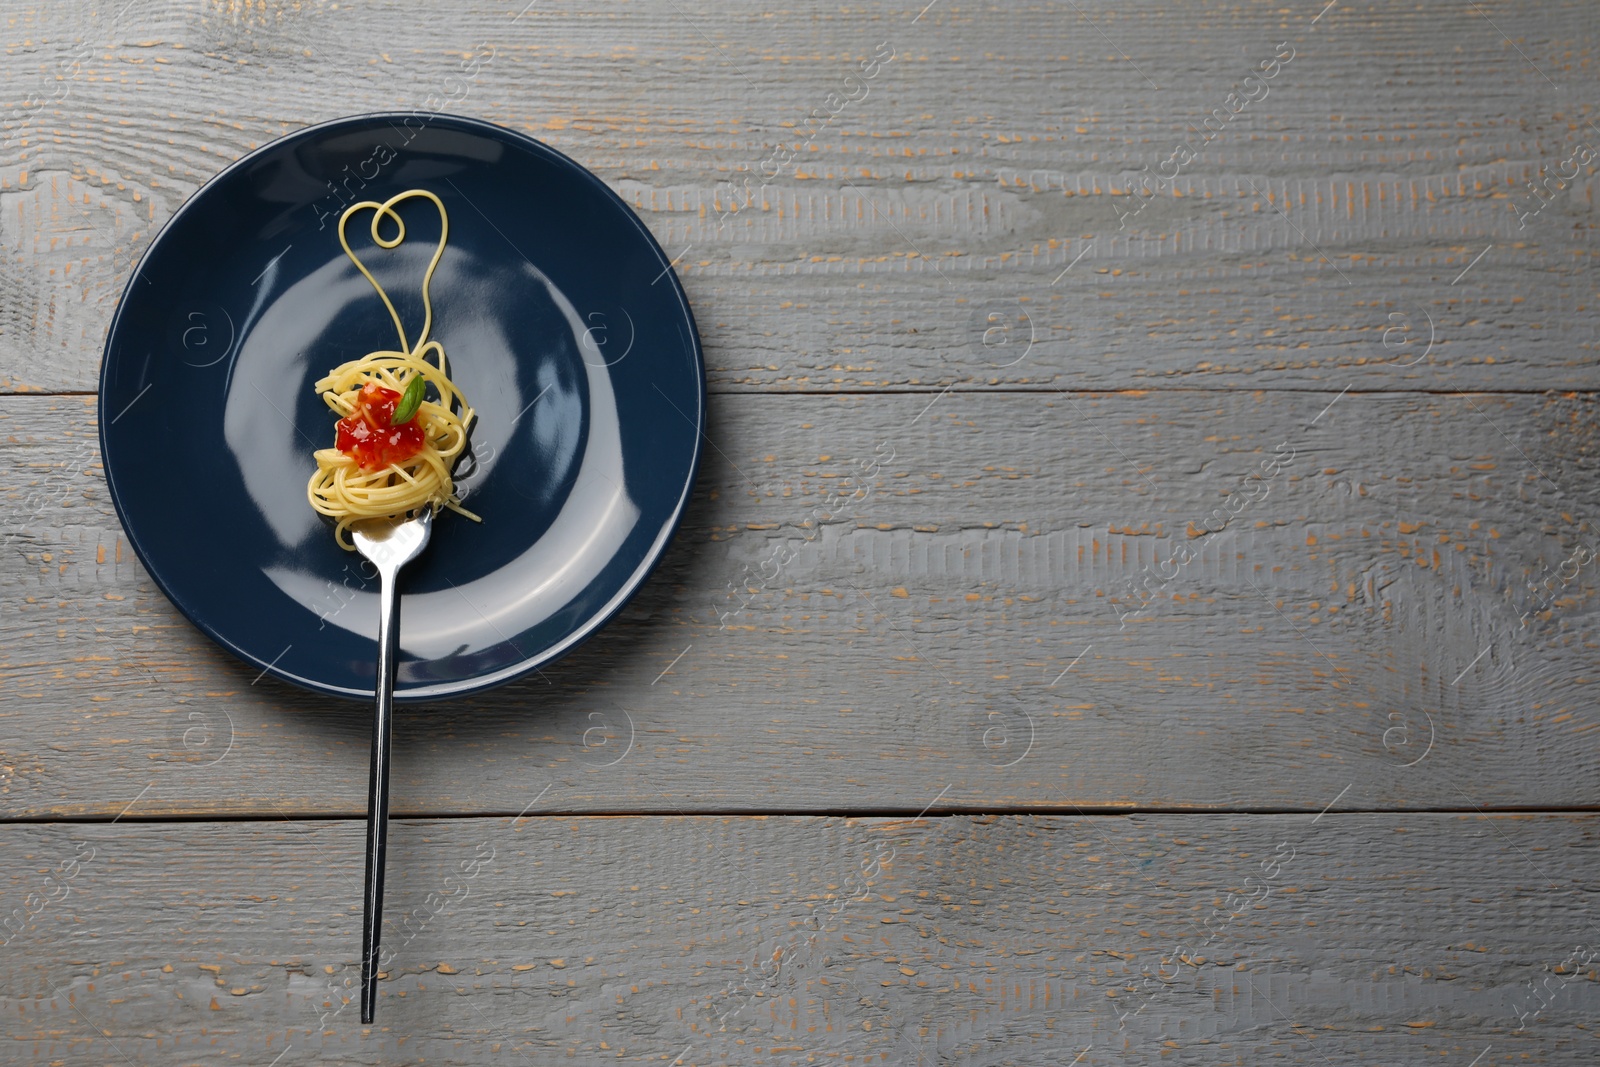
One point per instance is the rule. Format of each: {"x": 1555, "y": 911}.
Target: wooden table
{"x": 1138, "y": 607}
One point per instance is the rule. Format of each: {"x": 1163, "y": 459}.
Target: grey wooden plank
{"x": 1407, "y": 608}
{"x": 947, "y": 204}
{"x": 1346, "y": 939}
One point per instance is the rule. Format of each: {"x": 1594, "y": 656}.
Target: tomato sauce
{"x": 367, "y": 435}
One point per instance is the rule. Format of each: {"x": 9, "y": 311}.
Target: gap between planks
{"x": 944, "y": 812}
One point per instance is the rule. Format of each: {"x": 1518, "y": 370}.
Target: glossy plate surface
{"x": 563, "y": 324}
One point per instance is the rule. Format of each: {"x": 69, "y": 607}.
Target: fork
{"x": 390, "y": 545}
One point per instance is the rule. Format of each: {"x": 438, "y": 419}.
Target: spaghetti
{"x": 403, "y": 423}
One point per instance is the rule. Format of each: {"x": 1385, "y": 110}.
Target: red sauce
{"x": 367, "y": 435}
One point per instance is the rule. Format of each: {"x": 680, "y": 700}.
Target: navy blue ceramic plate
{"x": 563, "y": 323}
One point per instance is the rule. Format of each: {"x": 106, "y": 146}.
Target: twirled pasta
{"x": 341, "y": 488}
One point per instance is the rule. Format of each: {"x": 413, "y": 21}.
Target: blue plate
{"x": 563, "y": 323}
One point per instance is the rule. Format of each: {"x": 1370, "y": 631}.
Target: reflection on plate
{"x": 565, "y": 326}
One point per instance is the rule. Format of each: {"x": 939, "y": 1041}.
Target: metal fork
{"x": 390, "y": 545}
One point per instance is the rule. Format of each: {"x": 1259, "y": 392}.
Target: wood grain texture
{"x": 912, "y": 227}
{"x": 1400, "y": 613}
{"x": 990, "y": 941}
{"x": 901, "y": 605}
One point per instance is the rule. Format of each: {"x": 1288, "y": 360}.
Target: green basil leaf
{"x": 406, "y": 410}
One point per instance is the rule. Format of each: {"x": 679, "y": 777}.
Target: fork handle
{"x": 378, "y": 790}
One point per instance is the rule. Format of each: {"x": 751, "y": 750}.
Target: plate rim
{"x": 598, "y": 619}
